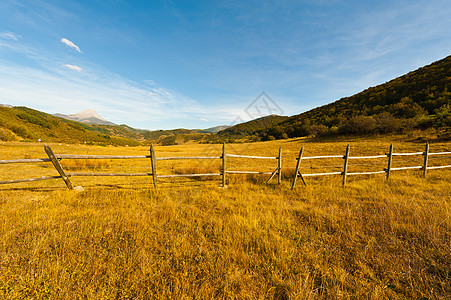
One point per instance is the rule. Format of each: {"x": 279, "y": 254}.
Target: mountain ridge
{"x": 88, "y": 116}
{"x": 420, "y": 99}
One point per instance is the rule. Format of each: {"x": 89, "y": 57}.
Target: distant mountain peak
{"x": 88, "y": 116}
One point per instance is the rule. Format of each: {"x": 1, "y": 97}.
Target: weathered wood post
{"x": 296, "y": 172}
{"x": 279, "y": 166}
{"x": 345, "y": 167}
{"x": 224, "y": 165}
{"x": 390, "y": 159}
{"x": 425, "y": 164}
{"x": 58, "y": 167}
{"x": 153, "y": 164}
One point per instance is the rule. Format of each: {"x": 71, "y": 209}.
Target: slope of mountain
{"x": 217, "y": 128}
{"x": 419, "y": 99}
{"x": 244, "y": 131}
{"x": 22, "y": 123}
{"x": 88, "y": 116}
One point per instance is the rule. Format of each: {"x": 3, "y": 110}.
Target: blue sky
{"x": 198, "y": 64}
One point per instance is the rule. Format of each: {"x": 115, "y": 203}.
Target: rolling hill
{"x": 245, "y": 131}
{"x": 420, "y": 99}
{"x": 26, "y": 124}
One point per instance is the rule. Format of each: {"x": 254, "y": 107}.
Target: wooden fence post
{"x": 425, "y": 165}
{"x": 58, "y": 167}
{"x": 296, "y": 172}
{"x": 390, "y": 158}
{"x": 345, "y": 167}
{"x": 279, "y": 166}
{"x": 153, "y": 164}
{"x": 224, "y": 165}
{"x": 278, "y": 169}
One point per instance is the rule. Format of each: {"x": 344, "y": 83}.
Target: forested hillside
{"x": 22, "y": 123}
{"x": 25, "y": 124}
{"x": 419, "y": 99}
{"x": 246, "y": 131}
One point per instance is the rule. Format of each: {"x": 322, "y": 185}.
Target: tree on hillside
{"x": 359, "y": 125}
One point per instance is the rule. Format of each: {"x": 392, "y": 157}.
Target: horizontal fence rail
{"x": 277, "y": 171}
{"x": 368, "y": 157}
{"x": 439, "y": 153}
{"x": 248, "y": 172}
{"x": 407, "y": 154}
{"x": 406, "y": 168}
{"x": 108, "y": 174}
{"x": 188, "y": 157}
{"x": 29, "y": 179}
{"x": 323, "y": 156}
{"x": 56, "y": 158}
{"x": 69, "y": 156}
{"x": 249, "y": 156}
{"x": 24, "y": 161}
{"x": 439, "y": 167}
{"x": 188, "y": 175}
{"x": 322, "y": 174}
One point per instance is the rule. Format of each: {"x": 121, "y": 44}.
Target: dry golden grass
{"x": 85, "y": 164}
{"x": 121, "y": 238}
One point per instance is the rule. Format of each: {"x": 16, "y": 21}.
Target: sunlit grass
{"x": 121, "y": 238}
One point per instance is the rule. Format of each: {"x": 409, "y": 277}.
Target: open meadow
{"x": 122, "y": 238}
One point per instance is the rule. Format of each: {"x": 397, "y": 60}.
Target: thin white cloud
{"x": 10, "y": 35}
{"x": 114, "y": 97}
{"x": 204, "y": 120}
{"x": 73, "y": 67}
{"x": 150, "y": 82}
{"x": 70, "y": 44}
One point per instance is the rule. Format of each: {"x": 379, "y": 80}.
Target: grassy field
{"x": 122, "y": 239}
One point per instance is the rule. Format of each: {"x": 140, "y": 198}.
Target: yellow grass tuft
{"x": 85, "y": 164}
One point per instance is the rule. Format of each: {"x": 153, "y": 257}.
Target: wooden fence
{"x": 346, "y": 157}
{"x": 56, "y": 158}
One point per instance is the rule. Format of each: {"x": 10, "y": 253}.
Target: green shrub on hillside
{"x": 6, "y": 135}
{"x": 22, "y": 131}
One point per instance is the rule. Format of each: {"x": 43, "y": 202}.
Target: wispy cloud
{"x": 114, "y": 97}
{"x": 73, "y": 67}
{"x": 70, "y": 44}
{"x": 10, "y": 35}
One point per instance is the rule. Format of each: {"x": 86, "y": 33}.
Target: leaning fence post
{"x": 296, "y": 172}
{"x": 425, "y": 165}
{"x": 390, "y": 158}
{"x": 58, "y": 167}
{"x": 278, "y": 169}
{"x": 153, "y": 164}
{"x": 279, "y": 166}
{"x": 223, "y": 165}
{"x": 345, "y": 167}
